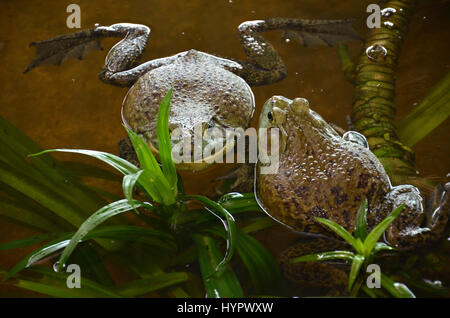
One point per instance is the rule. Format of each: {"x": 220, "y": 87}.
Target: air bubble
{"x": 388, "y": 24}
{"x": 376, "y": 53}
{"x": 55, "y": 266}
{"x": 356, "y": 137}
{"x": 387, "y": 12}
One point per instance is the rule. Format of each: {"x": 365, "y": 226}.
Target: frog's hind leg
{"x": 415, "y": 228}
{"x": 331, "y": 277}
{"x": 265, "y": 65}
{"x": 120, "y": 66}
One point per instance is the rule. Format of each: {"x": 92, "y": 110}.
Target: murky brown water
{"x": 68, "y": 106}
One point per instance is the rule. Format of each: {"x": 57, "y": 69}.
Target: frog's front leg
{"x": 414, "y": 227}
{"x": 265, "y": 65}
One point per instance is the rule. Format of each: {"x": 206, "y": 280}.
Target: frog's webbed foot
{"x": 265, "y": 65}
{"x": 61, "y": 48}
{"x": 415, "y": 228}
{"x": 120, "y": 63}
{"x": 331, "y": 276}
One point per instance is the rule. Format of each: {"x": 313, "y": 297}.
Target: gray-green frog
{"x": 324, "y": 174}
{"x": 208, "y": 90}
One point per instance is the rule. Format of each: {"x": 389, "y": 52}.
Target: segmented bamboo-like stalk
{"x": 373, "y": 100}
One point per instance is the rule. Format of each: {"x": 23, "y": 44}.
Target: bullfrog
{"x": 209, "y": 91}
{"x": 322, "y": 173}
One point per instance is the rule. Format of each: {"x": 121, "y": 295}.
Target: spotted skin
{"x": 321, "y": 174}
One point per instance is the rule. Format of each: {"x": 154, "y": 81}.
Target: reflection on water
{"x": 68, "y": 106}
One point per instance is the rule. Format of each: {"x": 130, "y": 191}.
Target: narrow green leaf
{"x": 80, "y": 169}
{"x": 261, "y": 265}
{"x": 128, "y": 183}
{"x": 429, "y": 114}
{"x": 116, "y": 162}
{"x": 396, "y": 289}
{"x": 152, "y": 169}
{"x": 31, "y": 215}
{"x": 145, "y": 286}
{"x": 325, "y": 256}
{"x": 93, "y": 221}
{"x": 45, "y": 170}
{"x": 221, "y": 283}
{"x": 155, "y": 238}
{"x": 39, "y": 254}
{"x": 378, "y": 230}
{"x": 380, "y": 246}
{"x": 358, "y": 260}
{"x": 236, "y": 202}
{"x": 26, "y": 241}
{"x": 152, "y": 237}
{"x": 59, "y": 280}
{"x": 229, "y": 224}
{"x": 339, "y": 230}
{"x": 361, "y": 221}
{"x": 122, "y": 165}
{"x": 42, "y": 194}
{"x": 164, "y": 144}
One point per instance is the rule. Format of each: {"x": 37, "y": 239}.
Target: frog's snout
{"x": 300, "y": 105}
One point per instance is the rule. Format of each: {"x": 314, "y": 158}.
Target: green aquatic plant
{"x": 175, "y": 235}
{"x": 366, "y": 247}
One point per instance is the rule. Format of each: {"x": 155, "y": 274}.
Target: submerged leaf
{"x": 93, "y": 221}
{"x": 144, "y": 286}
{"x": 261, "y": 265}
{"x": 229, "y": 224}
{"x": 219, "y": 283}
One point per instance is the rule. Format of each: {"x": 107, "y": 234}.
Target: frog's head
{"x": 297, "y": 123}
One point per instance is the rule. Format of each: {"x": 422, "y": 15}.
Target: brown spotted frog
{"x": 208, "y": 90}
{"x": 324, "y": 174}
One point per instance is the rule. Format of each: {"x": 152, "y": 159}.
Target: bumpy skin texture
{"x": 203, "y": 92}
{"x": 321, "y": 174}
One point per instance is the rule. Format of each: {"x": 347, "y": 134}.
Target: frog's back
{"x": 321, "y": 183}
{"x": 202, "y": 91}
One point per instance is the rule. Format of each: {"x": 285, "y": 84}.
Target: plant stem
{"x": 373, "y": 101}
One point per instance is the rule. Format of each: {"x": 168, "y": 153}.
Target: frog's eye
{"x": 357, "y": 138}
{"x": 270, "y": 116}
